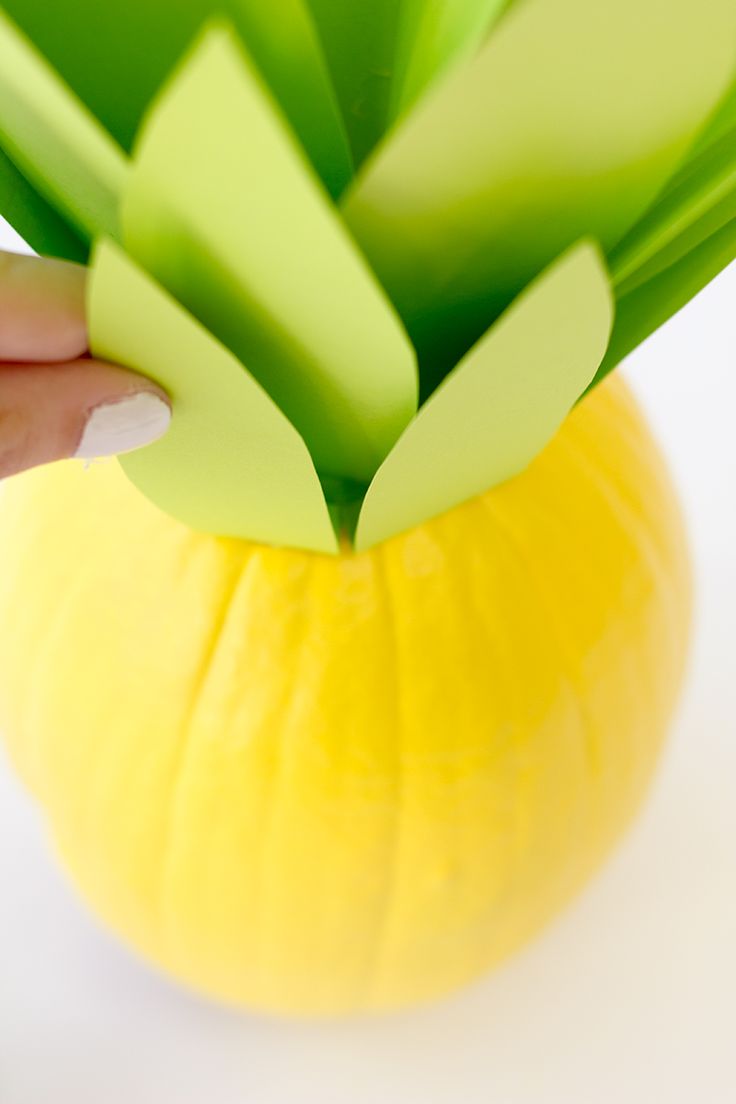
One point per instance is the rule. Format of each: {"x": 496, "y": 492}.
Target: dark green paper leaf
{"x": 115, "y": 54}
{"x": 34, "y": 219}
{"x": 649, "y": 306}
{"x": 698, "y": 202}
{"x": 722, "y": 121}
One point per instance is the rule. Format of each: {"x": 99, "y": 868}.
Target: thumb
{"x": 55, "y": 401}
{"x": 83, "y": 408}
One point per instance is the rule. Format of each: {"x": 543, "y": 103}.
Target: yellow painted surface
{"x": 317, "y": 785}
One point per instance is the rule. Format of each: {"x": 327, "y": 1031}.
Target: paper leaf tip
{"x": 502, "y": 404}
{"x": 231, "y": 464}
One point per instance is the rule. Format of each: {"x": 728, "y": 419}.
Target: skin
{"x": 49, "y": 383}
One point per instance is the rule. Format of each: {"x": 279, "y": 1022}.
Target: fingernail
{"x": 130, "y": 423}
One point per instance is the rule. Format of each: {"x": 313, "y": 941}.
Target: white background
{"x": 630, "y": 998}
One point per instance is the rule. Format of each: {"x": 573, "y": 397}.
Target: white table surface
{"x": 629, "y": 998}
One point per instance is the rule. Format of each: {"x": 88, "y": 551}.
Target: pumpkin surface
{"x": 316, "y": 784}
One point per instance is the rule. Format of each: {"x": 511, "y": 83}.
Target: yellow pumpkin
{"x": 317, "y": 785}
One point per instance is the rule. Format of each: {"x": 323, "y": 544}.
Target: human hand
{"x": 55, "y": 400}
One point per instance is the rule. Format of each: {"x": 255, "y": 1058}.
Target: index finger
{"x": 42, "y": 310}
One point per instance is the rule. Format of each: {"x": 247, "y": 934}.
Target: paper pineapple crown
{"x": 334, "y": 209}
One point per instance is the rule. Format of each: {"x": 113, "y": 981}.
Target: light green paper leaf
{"x": 54, "y": 140}
{"x": 568, "y": 122}
{"x": 649, "y": 306}
{"x": 231, "y": 463}
{"x": 694, "y": 207}
{"x": 116, "y": 56}
{"x": 502, "y": 404}
{"x": 383, "y": 54}
{"x": 34, "y": 219}
{"x": 225, "y": 212}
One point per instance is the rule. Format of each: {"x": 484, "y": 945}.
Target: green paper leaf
{"x": 433, "y": 35}
{"x": 116, "y": 56}
{"x": 722, "y": 121}
{"x": 359, "y": 40}
{"x": 54, "y": 140}
{"x": 568, "y": 122}
{"x": 282, "y": 40}
{"x": 502, "y": 404}
{"x": 231, "y": 463}
{"x": 224, "y": 211}
{"x": 383, "y": 54}
{"x": 698, "y": 202}
{"x": 34, "y": 219}
{"x": 649, "y": 306}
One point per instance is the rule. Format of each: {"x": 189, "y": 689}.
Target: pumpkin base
{"x": 319, "y": 785}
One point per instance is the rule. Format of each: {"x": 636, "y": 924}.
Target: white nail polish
{"x": 123, "y": 426}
